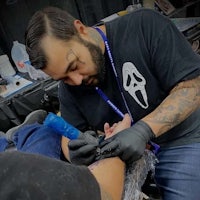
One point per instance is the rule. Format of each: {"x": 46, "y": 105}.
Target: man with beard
{"x": 150, "y": 72}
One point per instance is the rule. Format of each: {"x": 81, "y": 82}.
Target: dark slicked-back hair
{"x": 50, "y": 21}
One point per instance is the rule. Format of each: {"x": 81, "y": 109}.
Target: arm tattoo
{"x": 178, "y": 105}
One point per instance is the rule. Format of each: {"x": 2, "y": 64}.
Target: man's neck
{"x": 94, "y": 34}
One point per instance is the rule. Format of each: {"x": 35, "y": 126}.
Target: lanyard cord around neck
{"x": 100, "y": 92}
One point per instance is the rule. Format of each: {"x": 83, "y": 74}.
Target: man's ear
{"x": 80, "y": 27}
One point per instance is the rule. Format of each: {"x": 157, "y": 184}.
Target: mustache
{"x": 90, "y": 79}
{"x": 85, "y": 81}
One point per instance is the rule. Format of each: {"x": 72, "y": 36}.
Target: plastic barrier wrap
{"x": 136, "y": 174}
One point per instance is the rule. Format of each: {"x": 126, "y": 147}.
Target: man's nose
{"x": 75, "y": 79}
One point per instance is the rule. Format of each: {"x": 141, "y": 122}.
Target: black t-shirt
{"x": 151, "y": 56}
{"x": 29, "y": 176}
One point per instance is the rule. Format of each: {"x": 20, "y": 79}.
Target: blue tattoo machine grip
{"x": 61, "y": 126}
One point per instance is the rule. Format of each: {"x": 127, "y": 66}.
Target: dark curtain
{"x": 15, "y": 14}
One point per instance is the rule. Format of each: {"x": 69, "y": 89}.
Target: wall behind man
{"x": 15, "y": 14}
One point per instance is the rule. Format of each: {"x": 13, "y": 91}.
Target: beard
{"x": 98, "y": 59}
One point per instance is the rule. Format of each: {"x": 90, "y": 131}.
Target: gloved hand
{"x": 82, "y": 151}
{"x": 128, "y": 144}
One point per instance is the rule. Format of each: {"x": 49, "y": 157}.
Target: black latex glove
{"x": 82, "y": 151}
{"x": 128, "y": 144}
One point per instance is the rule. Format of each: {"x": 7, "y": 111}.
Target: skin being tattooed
{"x": 110, "y": 175}
{"x": 104, "y": 194}
{"x": 108, "y": 172}
{"x": 181, "y": 102}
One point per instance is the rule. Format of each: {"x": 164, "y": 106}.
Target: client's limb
{"x": 109, "y": 131}
{"x": 117, "y": 127}
{"x": 109, "y": 172}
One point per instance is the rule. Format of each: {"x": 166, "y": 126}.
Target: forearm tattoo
{"x": 181, "y": 102}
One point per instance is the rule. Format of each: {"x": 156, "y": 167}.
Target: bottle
{"x": 6, "y": 69}
{"x": 19, "y": 56}
{"x": 22, "y": 62}
{"x": 35, "y": 74}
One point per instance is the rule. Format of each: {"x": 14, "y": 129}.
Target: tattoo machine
{"x": 60, "y": 126}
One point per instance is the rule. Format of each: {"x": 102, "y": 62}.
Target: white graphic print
{"x": 134, "y": 83}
